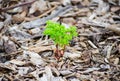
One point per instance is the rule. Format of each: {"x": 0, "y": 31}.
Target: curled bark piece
{"x": 114, "y": 28}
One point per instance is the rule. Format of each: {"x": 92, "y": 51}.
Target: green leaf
{"x": 59, "y": 33}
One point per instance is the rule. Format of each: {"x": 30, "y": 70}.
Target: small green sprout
{"x": 60, "y": 35}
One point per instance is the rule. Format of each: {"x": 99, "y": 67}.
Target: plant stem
{"x": 64, "y": 49}
{"x": 57, "y": 49}
{"x": 57, "y": 52}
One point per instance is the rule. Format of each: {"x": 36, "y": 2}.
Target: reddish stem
{"x": 59, "y": 53}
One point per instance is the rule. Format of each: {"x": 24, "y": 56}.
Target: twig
{"x": 44, "y": 14}
{"x": 94, "y": 23}
{"x": 102, "y": 62}
{"x": 18, "y": 5}
{"x": 14, "y": 53}
{"x": 42, "y": 21}
{"x": 91, "y": 43}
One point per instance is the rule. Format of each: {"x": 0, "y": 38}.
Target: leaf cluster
{"x": 59, "y": 33}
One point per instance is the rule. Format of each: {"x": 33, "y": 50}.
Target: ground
{"x": 26, "y": 54}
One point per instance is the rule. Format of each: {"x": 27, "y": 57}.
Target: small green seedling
{"x": 60, "y": 35}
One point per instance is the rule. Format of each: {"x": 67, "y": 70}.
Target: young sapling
{"x": 60, "y": 35}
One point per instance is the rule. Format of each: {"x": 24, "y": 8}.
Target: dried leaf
{"x": 65, "y": 2}
{"x": 36, "y": 74}
{"x": 49, "y": 73}
{"x": 9, "y": 46}
{"x": 35, "y": 31}
{"x": 90, "y": 70}
{"x": 38, "y": 49}
{"x": 65, "y": 72}
{"x": 70, "y": 21}
{"x": 116, "y": 61}
{"x": 72, "y": 55}
{"x": 114, "y": 28}
{"x": 18, "y": 34}
{"x": 17, "y": 62}
{"x": 34, "y": 58}
{"x": 23, "y": 70}
{"x": 44, "y": 78}
{"x": 1, "y": 25}
{"x": 38, "y": 5}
